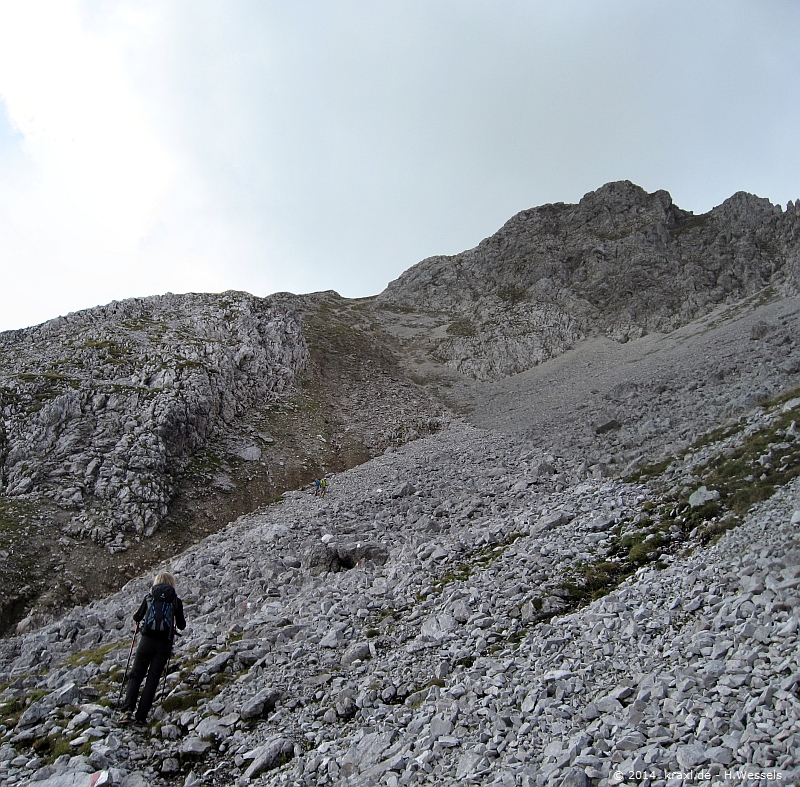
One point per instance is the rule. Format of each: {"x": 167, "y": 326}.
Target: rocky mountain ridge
{"x": 621, "y": 263}
{"x": 143, "y": 425}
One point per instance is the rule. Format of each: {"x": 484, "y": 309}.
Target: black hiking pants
{"x": 152, "y": 656}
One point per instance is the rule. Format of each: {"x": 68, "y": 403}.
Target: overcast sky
{"x": 149, "y": 146}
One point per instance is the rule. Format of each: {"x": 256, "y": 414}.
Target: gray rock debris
{"x": 459, "y": 657}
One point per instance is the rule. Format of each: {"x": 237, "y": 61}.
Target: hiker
{"x": 317, "y": 487}
{"x": 323, "y": 487}
{"x": 161, "y": 610}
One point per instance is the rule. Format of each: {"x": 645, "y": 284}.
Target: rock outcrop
{"x": 102, "y": 409}
{"x": 620, "y": 263}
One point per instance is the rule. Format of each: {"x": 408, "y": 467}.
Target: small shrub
{"x": 462, "y": 328}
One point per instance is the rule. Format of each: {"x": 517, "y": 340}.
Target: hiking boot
{"x": 139, "y": 722}
{"x": 126, "y": 717}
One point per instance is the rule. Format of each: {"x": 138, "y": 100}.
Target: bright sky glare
{"x": 262, "y": 145}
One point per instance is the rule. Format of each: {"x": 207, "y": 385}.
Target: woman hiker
{"x": 161, "y": 610}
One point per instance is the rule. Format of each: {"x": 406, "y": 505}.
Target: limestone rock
{"x": 269, "y": 756}
{"x": 702, "y": 496}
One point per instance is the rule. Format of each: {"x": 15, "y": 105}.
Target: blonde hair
{"x": 164, "y": 577}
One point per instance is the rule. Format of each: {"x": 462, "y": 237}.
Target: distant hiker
{"x": 323, "y": 487}
{"x": 317, "y": 487}
{"x": 159, "y": 613}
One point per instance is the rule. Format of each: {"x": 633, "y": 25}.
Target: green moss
{"x": 641, "y": 552}
{"x": 96, "y": 655}
{"x": 650, "y": 470}
{"x": 512, "y": 294}
{"x": 715, "y": 436}
{"x": 462, "y": 328}
{"x": 780, "y": 399}
{"x": 52, "y": 746}
{"x": 183, "y": 701}
{"x": 11, "y": 711}
{"x": 742, "y": 480}
{"x": 715, "y": 530}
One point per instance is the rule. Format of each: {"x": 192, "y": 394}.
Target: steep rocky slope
{"x": 478, "y": 606}
{"x": 587, "y": 574}
{"x": 621, "y": 263}
{"x": 132, "y": 430}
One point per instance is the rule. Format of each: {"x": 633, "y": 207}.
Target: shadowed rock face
{"x": 622, "y": 263}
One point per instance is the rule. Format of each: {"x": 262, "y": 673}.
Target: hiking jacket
{"x": 162, "y": 589}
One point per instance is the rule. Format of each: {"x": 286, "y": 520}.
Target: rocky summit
{"x": 559, "y": 544}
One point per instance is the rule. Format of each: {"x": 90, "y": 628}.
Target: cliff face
{"x": 101, "y": 409}
{"x": 622, "y": 263}
{"x": 133, "y": 430}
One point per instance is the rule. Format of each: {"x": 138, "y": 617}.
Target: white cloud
{"x": 102, "y": 171}
{"x": 95, "y": 203}
{"x": 197, "y": 145}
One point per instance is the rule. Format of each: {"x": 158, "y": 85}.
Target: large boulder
{"x": 342, "y": 556}
{"x": 263, "y": 702}
{"x": 272, "y": 754}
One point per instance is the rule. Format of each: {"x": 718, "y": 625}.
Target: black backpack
{"x": 159, "y": 620}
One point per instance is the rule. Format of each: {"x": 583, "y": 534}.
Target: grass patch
{"x": 96, "y": 655}
{"x": 480, "y": 559}
{"x": 645, "y": 551}
{"x": 650, "y": 470}
{"x": 11, "y": 711}
{"x": 511, "y": 294}
{"x": 751, "y": 473}
{"x": 462, "y": 328}
{"x": 183, "y": 701}
{"x": 782, "y": 398}
{"x": 52, "y": 746}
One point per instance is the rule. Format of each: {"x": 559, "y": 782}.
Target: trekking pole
{"x": 166, "y": 672}
{"x": 164, "y": 680}
{"x": 125, "y": 675}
